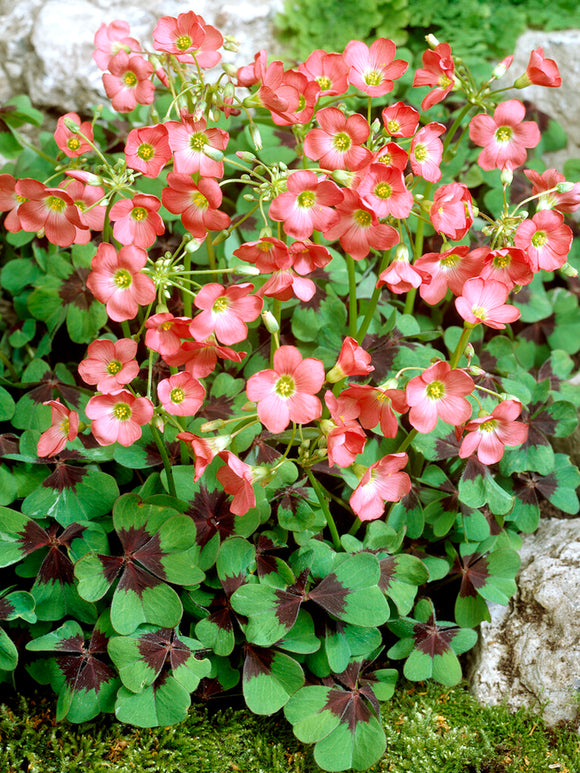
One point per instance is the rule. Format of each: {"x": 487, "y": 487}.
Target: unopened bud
{"x": 431, "y": 41}
{"x": 564, "y": 187}
{"x": 469, "y": 351}
{"x": 390, "y": 383}
{"x": 246, "y": 155}
{"x": 229, "y": 92}
{"x": 193, "y": 244}
{"x": 475, "y": 370}
{"x": 343, "y": 177}
{"x": 71, "y": 125}
{"x": 211, "y": 426}
{"x": 506, "y": 176}
{"x": 266, "y": 232}
{"x": 214, "y": 153}
{"x": 249, "y": 197}
{"x": 569, "y": 270}
{"x": 230, "y": 69}
{"x": 255, "y": 135}
{"x": 522, "y": 81}
{"x": 507, "y": 396}
{"x": 270, "y": 322}
{"x": 158, "y": 422}
{"x": 231, "y": 44}
{"x": 402, "y": 252}
{"x": 243, "y": 270}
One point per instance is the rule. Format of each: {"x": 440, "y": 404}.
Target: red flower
{"x": 127, "y": 84}
{"x": 110, "y": 364}
{"x": 345, "y": 439}
{"x": 338, "y": 144}
{"x": 200, "y": 357}
{"x": 137, "y": 221}
{"x": 568, "y": 201}
{"x": 449, "y": 269}
{"x": 197, "y": 203}
{"x": 165, "y": 332}
{"x": 306, "y": 205}
{"x": 373, "y": 70}
{"x": 383, "y": 189}
{"x": 71, "y": 143}
{"x": 438, "y": 70}
{"x": 267, "y": 254}
{"x": 488, "y": 435}
{"x": 181, "y": 394}
{"x": 400, "y": 276}
{"x": 504, "y": 137}
{"x": 376, "y": 406}
{"x": 204, "y": 449}
{"x": 116, "y": 280}
{"x": 540, "y": 71}
{"x": 118, "y": 418}
{"x": 353, "y": 360}
{"x": 485, "y": 301}
{"x": 545, "y": 239}
{"x": 188, "y": 38}
{"x": 308, "y": 256}
{"x": 88, "y": 201}
{"x": 382, "y": 482}
{"x": 358, "y": 228}
{"x": 225, "y": 312}
{"x": 64, "y": 427}
{"x": 330, "y": 71}
{"x": 147, "y": 149}
{"x": 439, "y": 392}
{"x": 400, "y": 120}
{"x": 48, "y": 208}
{"x": 508, "y": 265}
{"x": 110, "y": 39}
{"x": 287, "y": 392}
{"x": 237, "y": 478}
{"x": 188, "y": 139}
{"x": 452, "y": 210}
{"x": 427, "y": 152}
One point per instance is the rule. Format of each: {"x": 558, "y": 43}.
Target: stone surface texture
{"x": 562, "y": 103}
{"x": 529, "y": 654}
{"x": 46, "y": 45}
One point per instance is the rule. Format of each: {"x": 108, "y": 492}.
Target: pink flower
{"x": 505, "y": 137}
{"x": 181, "y": 394}
{"x": 286, "y": 284}
{"x": 11, "y": 201}
{"x": 358, "y": 228}
{"x": 116, "y": 280}
{"x": 147, "y": 149}
{"x": 353, "y": 360}
{"x": 449, "y": 269}
{"x": 188, "y": 38}
{"x": 267, "y": 254}
{"x": 308, "y": 256}
{"x": 373, "y": 70}
{"x": 330, "y": 71}
{"x": 383, "y": 189}
{"x": 545, "y": 239}
{"x": 225, "y": 312}
{"x": 485, "y": 301}
{"x": 376, "y": 406}
{"x": 287, "y": 392}
{"x": 71, "y": 143}
{"x": 64, "y": 427}
{"x": 197, "y": 203}
{"x": 568, "y": 201}
{"x": 137, "y": 221}
{"x": 439, "y": 392}
{"x": 110, "y": 39}
{"x": 400, "y": 120}
{"x": 400, "y": 276}
{"x": 452, "y": 210}
{"x": 338, "y": 143}
{"x": 88, "y": 201}
{"x": 438, "y": 70}
{"x": 200, "y": 357}
{"x": 48, "y": 208}
{"x": 427, "y": 152}
{"x": 393, "y": 156}
{"x": 508, "y": 265}
{"x": 489, "y": 435}
{"x": 118, "y": 418}
{"x": 382, "y": 482}
{"x": 188, "y": 139}
{"x": 345, "y": 439}
{"x": 306, "y": 205}
{"x": 127, "y": 84}
{"x": 540, "y": 71}
{"x": 236, "y": 478}
{"x": 165, "y": 333}
{"x": 204, "y": 449}
{"x": 308, "y": 92}
{"x": 110, "y": 364}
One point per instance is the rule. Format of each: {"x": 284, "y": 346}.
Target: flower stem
{"x": 461, "y": 344}
{"x": 352, "y": 304}
{"x": 370, "y": 313}
{"x": 165, "y": 458}
{"x": 324, "y": 505}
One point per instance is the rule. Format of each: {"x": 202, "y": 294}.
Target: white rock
{"x": 529, "y": 654}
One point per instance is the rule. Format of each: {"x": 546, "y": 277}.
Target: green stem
{"x": 126, "y": 329}
{"x": 211, "y": 256}
{"x": 165, "y": 458}
{"x": 38, "y": 151}
{"x": 407, "y": 441}
{"x": 455, "y": 125}
{"x": 355, "y": 527}
{"x": 370, "y": 313}
{"x": 324, "y": 505}
{"x": 9, "y": 365}
{"x": 461, "y": 344}
{"x": 186, "y": 298}
{"x": 410, "y": 299}
{"x": 352, "y": 304}
{"x": 275, "y": 337}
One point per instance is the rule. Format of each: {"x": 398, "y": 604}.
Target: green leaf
{"x": 162, "y": 704}
{"x": 8, "y": 652}
{"x": 269, "y": 679}
{"x": 7, "y": 405}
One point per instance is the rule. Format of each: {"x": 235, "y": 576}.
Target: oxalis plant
{"x": 281, "y": 368}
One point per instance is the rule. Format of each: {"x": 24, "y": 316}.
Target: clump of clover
{"x": 311, "y": 411}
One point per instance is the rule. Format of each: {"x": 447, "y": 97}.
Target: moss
{"x": 427, "y": 730}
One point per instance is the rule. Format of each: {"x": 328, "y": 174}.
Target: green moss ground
{"x": 428, "y": 731}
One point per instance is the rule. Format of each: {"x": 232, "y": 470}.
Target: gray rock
{"x": 529, "y": 654}
{"x": 46, "y": 45}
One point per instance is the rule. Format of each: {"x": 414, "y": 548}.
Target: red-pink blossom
{"x": 199, "y": 358}
{"x": 484, "y": 301}
{"x": 353, "y": 360}
{"x": 287, "y": 392}
{"x": 449, "y": 270}
{"x": 225, "y": 312}
{"x": 504, "y": 137}
{"x": 438, "y": 70}
{"x": 118, "y": 418}
{"x": 128, "y": 83}
{"x": 338, "y": 143}
{"x": 147, "y": 149}
{"x": 204, "y": 449}
{"x": 237, "y": 478}
{"x": 48, "y": 208}
{"x": 110, "y": 39}
{"x": 308, "y": 92}
{"x": 275, "y": 93}
{"x": 345, "y": 438}
{"x": 567, "y": 201}
{"x": 71, "y": 143}
{"x": 267, "y": 254}
{"x": 64, "y": 427}
{"x": 181, "y": 394}
{"x": 488, "y": 435}
{"x": 165, "y": 332}
{"x": 137, "y": 221}
{"x": 382, "y": 482}
{"x": 540, "y": 71}
{"x": 508, "y": 265}
{"x": 383, "y": 189}
{"x": 439, "y": 392}
{"x": 452, "y": 210}
{"x": 11, "y": 201}
{"x": 373, "y": 69}
{"x": 330, "y": 71}
{"x": 110, "y": 364}
{"x": 189, "y": 39}
{"x": 308, "y": 256}
{"x": 400, "y": 276}
{"x": 188, "y": 139}
{"x": 358, "y": 228}
{"x": 196, "y": 202}
{"x": 427, "y": 152}
{"x": 88, "y": 201}
{"x": 116, "y": 280}
{"x": 376, "y": 406}
{"x": 546, "y": 240}
{"x": 306, "y": 205}
{"x": 392, "y": 156}
{"x": 400, "y": 120}
{"x": 285, "y": 284}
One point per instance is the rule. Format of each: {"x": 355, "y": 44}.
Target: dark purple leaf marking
{"x": 257, "y": 661}
{"x": 211, "y": 514}
{"x": 331, "y": 595}
{"x": 156, "y": 648}
{"x": 287, "y": 606}
{"x": 6, "y": 609}
{"x": 81, "y": 668}
{"x": 431, "y": 639}
{"x": 74, "y": 289}
{"x": 57, "y": 566}
{"x": 446, "y": 447}
{"x": 474, "y": 571}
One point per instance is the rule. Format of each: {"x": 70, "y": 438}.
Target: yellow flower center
{"x": 504, "y": 133}
{"x": 183, "y": 42}
{"x": 435, "y": 390}
{"x": 362, "y": 218}
{"x": 443, "y": 81}
{"x": 341, "y": 142}
{"x": 113, "y": 367}
{"x": 145, "y": 151}
{"x": 479, "y": 312}
{"x": 488, "y": 426}
{"x": 393, "y": 126}
{"x": 449, "y": 261}
{"x": 20, "y": 199}
{"x": 501, "y": 261}
{"x": 386, "y": 159}
{"x": 64, "y": 426}
{"x": 383, "y": 191}
{"x": 122, "y": 411}
{"x": 373, "y": 77}
{"x": 177, "y": 395}
{"x": 139, "y": 213}
{"x": 324, "y": 82}
{"x": 122, "y": 278}
{"x": 420, "y": 153}
{"x": 197, "y": 141}
{"x": 199, "y": 200}
{"x": 306, "y": 199}
{"x": 130, "y": 79}
{"x": 539, "y": 239}
{"x": 220, "y": 305}
{"x": 285, "y": 386}
{"x": 56, "y": 203}
{"x": 73, "y": 143}
{"x": 166, "y": 325}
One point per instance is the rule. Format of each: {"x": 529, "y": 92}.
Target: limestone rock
{"x": 529, "y": 654}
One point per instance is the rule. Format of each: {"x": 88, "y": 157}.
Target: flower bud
{"x": 246, "y": 155}
{"x": 255, "y": 135}
{"x": 231, "y": 44}
{"x": 431, "y": 41}
{"x": 390, "y": 383}
{"x": 211, "y": 426}
{"x": 270, "y": 322}
{"x": 230, "y": 69}
{"x": 71, "y": 125}
{"x": 214, "y": 153}
{"x": 402, "y": 252}
{"x": 506, "y": 176}
{"x": 568, "y": 270}
{"x": 193, "y": 244}
{"x": 522, "y": 81}
{"x": 475, "y": 370}
{"x": 343, "y": 177}
{"x": 564, "y": 187}
{"x": 245, "y": 270}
